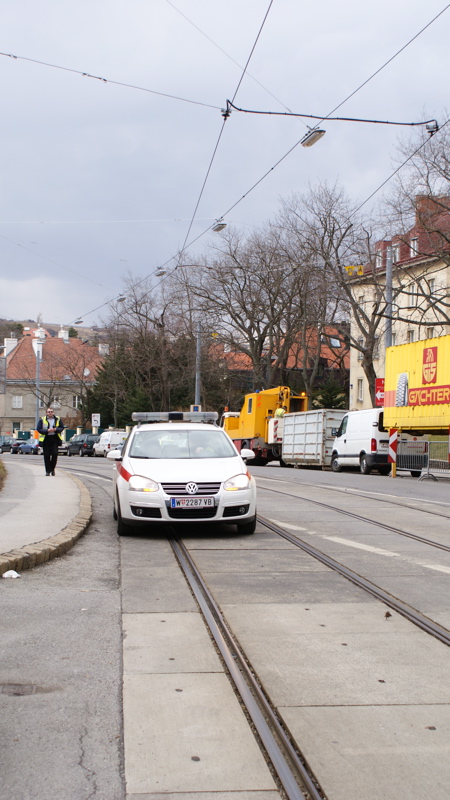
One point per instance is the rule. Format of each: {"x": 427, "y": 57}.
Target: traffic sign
{"x": 379, "y": 391}
{"x": 95, "y": 420}
{"x": 393, "y": 441}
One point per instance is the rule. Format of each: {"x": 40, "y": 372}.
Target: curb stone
{"x": 32, "y": 555}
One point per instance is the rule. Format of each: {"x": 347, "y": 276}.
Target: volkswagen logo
{"x": 191, "y": 488}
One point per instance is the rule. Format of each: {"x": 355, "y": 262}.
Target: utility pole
{"x": 388, "y": 334}
{"x": 198, "y": 361}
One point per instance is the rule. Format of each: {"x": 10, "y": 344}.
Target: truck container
{"x": 307, "y": 437}
{"x": 417, "y": 386}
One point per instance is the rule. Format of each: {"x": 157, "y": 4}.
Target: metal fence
{"x": 424, "y": 459}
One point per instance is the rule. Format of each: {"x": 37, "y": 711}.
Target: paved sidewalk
{"x": 40, "y": 519}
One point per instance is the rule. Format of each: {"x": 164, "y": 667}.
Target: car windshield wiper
{"x": 133, "y": 456}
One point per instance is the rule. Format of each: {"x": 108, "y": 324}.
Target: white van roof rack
{"x": 174, "y": 416}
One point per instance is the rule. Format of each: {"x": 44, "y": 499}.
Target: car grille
{"x": 179, "y": 489}
{"x": 192, "y": 513}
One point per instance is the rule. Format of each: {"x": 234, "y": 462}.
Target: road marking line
{"x": 288, "y": 525}
{"x": 359, "y": 546}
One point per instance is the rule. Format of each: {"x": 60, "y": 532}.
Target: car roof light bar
{"x": 174, "y": 416}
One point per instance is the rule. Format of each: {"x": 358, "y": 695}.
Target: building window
{"x": 41, "y": 403}
{"x": 412, "y": 292}
{"x": 430, "y": 333}
{"x": 361, "y": 299}
{"x": 395, "y": 253}
{"x": 394, "y": 338}
{"x": 413, "y": 247}
{"x": 76, "y": 401}
{"x": 432, "y": 285}
{"x": 16, "y": 401}
{"x": 376, "y": 347}
{"x": 56, "y": 402}
{"x": 360, "y": 352}
{"x": 360, "y": 390}
{"x": 378, "y": 259}
{"x": 410, "y": 335}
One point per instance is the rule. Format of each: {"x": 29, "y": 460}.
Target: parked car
{"x": 31, "y": 446}
{"x": 15, "y": 444}
{"x": 5, "y": 443}
{"x": 82, "y": 444}
{"x": 178, "y": 470}
{"x": 62, "y": 448}
{"x": 109, "y": 440}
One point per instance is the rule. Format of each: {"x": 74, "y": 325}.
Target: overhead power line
{"x": 322, "y": 118}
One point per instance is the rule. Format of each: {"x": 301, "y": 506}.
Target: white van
{"x": 362, "y": 441}
{"x": 109, "y": 440}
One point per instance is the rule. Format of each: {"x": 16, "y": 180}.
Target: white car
{"x": 176, "y": 470}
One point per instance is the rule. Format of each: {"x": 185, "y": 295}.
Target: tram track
{"x": 294, "y": 775}
{"x": 367, "y": 520}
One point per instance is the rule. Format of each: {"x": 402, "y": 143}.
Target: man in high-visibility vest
{"x": 49, "y": 429}
{"x": 280, "y": 412}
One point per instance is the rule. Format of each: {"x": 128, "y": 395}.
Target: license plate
{"x": 191, "y": 502}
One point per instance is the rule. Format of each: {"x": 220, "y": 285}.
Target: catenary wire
{"x": 223, "y": 127}
{"x": 228, "y": 55}
{"x": 280, "y": 160}
{"x": 108, "y": 80}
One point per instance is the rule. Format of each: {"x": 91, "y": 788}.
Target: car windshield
{"x": 181, "y": 444}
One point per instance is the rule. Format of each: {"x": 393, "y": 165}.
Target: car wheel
{"x": 80, "y": 452}
{"x": 363, "y": 465}
{"x": 69, "y": 454}
{"x": 335, "y": 466}
{"x": 247, "y": 528}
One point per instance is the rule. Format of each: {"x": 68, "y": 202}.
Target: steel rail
{"x": 391, "y": 528}
{"x": 281, "y": 752}
{"x": 405, "y": 610}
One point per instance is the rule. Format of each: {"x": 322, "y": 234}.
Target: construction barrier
{"x": 438, "y": 460}
{"x": 413, "y": 456}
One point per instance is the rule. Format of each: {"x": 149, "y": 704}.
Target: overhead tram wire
{"x": 227, "y": 55}
{"x": 108, "y": 80}
{"x": 280, "y": 160}
{"x": 225, "y": 117}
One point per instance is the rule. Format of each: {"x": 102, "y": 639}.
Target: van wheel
{"x": 363, "y": 465}
{"x": 384, "y": 470}
{"x": 335, "y": 466}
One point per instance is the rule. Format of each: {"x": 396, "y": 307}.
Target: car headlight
{"x": 138, "y": 483}
{"x": 237, "y": 483}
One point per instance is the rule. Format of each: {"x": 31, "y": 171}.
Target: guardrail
{"x": 424, "y": 459}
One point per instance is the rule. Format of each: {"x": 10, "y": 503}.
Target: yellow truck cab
{"x": 252, "y": 427}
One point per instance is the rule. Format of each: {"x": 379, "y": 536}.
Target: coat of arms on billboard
{"x": 429, "y": 366}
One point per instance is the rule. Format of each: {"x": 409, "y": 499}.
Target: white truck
{"x": 305, "y": 438}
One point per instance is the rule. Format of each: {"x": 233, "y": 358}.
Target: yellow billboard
{"x": 417, "y": 385}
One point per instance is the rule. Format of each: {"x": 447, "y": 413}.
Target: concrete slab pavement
{"x": 40, "y": 519}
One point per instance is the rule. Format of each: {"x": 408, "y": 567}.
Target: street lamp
{"x": 312, "y": 137}
{"x": 219, "y": 225}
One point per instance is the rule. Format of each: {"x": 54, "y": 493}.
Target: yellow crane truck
{"x": 256, "y": 425}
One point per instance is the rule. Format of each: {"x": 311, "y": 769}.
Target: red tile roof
{"x": 61, "y": 360}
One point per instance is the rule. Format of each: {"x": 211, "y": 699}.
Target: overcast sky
{"x": 99, "y": 179}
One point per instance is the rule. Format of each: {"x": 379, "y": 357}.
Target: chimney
{"x": 63, "y": 334}
{"x": 9, "y": 345}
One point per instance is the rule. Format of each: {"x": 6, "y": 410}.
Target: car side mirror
{"x": 334, "y": 431}
{"x": 115, "y": 455}
{"x": 247, "y": 453}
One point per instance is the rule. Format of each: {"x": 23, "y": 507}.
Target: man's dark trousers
{"x": 50, "y": 447}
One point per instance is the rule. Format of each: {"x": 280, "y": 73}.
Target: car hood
{"x": 182, "y": 470}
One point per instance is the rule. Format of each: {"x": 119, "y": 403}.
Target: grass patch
{"x": 2, "y": 474}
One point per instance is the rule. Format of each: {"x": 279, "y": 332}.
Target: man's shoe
{"x": 47, "y": 474}
{"x": 53, "y": 472}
